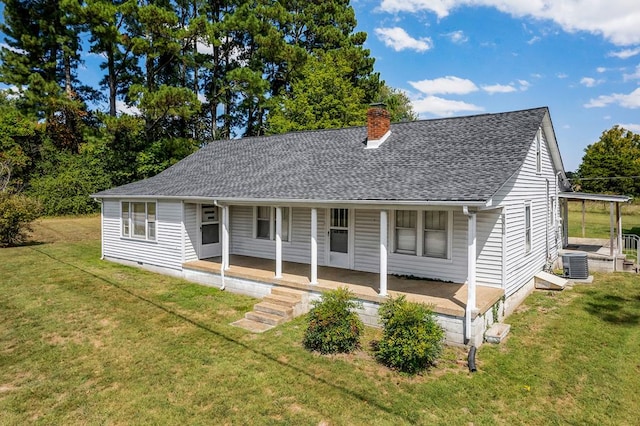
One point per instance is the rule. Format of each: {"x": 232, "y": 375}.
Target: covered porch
{"x": 603, "y": 254}
{"x": 445, "y": 298}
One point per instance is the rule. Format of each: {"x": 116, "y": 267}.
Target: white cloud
{"x": 123, "y": 108}
{"x": 633, "y": 76}
{"x": 633, "y": 127}
{"x": 631, "y": 100}
{"x": 524, "y": 85}
{"x": 442, "y": 107}
{"x": 204, "y": 48}
{"x": 561, "y": 75}
{"x": 616, "y": 20}
{"x": 499, "y": 88}
{"x": 590, "y": 82}
{"x": 449, "y": 85}
{"x": 12, "y": 92}
{"x": 601, "y": 70}
{"x": 398, "y": 39}
{"x": 457, "y": 37}
{"x": 625, "y": 53}
{"x": 533, "y": 40}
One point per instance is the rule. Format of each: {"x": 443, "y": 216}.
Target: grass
{"x": 598, "y": 222}
{"x": 84, "y": 341}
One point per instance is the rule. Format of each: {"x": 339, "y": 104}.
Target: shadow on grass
{"x": 364, "y": 398}
{"x": 615, "y": 309}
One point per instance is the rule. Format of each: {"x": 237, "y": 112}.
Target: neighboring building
{"x": 469, "y": 200}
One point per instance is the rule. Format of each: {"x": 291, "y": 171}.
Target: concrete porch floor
{"x": 445, "y": 298}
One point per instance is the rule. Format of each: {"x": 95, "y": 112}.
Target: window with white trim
{"x": 527, "y": 228}
{"x": 405, "y": 238}
{"x": 138, "y": 220}
{"x": 436, "y": 234}
{"x": 265, "y": 223}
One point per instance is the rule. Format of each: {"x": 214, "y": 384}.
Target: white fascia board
{"x": 302, "y": 203}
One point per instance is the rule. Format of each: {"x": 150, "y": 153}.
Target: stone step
{"x": 274, "y": 309}
{"x": 281, "y": 299}
{"x": 265, "y": 318}
{"x": 289, "y": 292}
{"x": 252, "y": 326}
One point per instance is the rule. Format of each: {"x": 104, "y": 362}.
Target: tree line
{"x": 192, "y": 71}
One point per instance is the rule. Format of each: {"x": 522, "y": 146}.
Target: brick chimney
{"x": 378, "y": 125}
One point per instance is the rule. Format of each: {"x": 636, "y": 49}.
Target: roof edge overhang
{"x": 300, "y": 202}
{"x": 552, "y": 142}
{"x": 594, "y": 197}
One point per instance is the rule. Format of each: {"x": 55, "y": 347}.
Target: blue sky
{"x": 581, "y": 58}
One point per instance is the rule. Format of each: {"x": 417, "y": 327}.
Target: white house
{"x": 458, "y": 212}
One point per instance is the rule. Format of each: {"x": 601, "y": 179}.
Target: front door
{"x": 209, "y": 231}
{"x": 339, "y": 238}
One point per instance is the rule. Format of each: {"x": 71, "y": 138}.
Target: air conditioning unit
{"x": 576, "y": 266}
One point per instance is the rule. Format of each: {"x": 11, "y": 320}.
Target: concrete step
{"x": 546, "y": 281}
{"x": 288, "y": 292}
{"x": 274, "y": 309}
{"x": 281, "y": 299}
{"x": 252, "y": 326}
{"x": 265, "y": 318}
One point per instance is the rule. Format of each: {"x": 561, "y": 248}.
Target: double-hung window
{"x": 436, "y": 234}
{"x": 406, "y": 231}
{"x": 265, "y": 223}
{"x": 139, "y": 220}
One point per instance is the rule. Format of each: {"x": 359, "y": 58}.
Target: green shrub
{"x": 333, "y": 326}
{"x": 16, "y": 214}
{"x": 412, "y": 340}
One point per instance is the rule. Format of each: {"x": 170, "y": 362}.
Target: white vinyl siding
{"x": 528, "y": 185}
{"x": 452, "y": 269}
{"x": 192, "y": 233}
{"x": 165, "y": 251}
{"x": 297, "y": 249}
{"x": 489, "y": 248}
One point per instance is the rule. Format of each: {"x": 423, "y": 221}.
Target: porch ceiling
{"x": 446, "y": 298}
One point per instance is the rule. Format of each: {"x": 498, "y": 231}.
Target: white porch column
{"x": 471, "y": 272}
{"x": 278, "y": 242}
{"x": 225, "y": 237}
{"x": 383, "y": 252}
{"x": 611, "y": 232}
{"x": 619, "y": 225}
{"x": 314, "y": 246}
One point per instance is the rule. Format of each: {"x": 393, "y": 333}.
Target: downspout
{"x": 102, "y": 229}
{"x": 471, "y": 271}
{"x": 222, "y": 265}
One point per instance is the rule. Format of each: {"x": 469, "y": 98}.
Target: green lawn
{"x": 84, "y": 341}
{"x": 598, "y": 221}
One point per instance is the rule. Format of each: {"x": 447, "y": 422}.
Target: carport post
{"x": 611, "y": 231}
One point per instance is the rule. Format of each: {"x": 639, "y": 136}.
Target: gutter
{"x": 289, "y": 201}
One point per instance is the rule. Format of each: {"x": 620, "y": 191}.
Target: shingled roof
{"x": 450, "y": 159}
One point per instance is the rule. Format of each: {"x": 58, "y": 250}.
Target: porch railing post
{"x": 383, "y": 252}
{"x": 278, "y": 242}
{"x": 314, "y": 246}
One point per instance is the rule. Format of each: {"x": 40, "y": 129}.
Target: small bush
{"x": 332, "y": 325}
{"x": 16, "y": 214}
{"x": 412, "y": 340}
